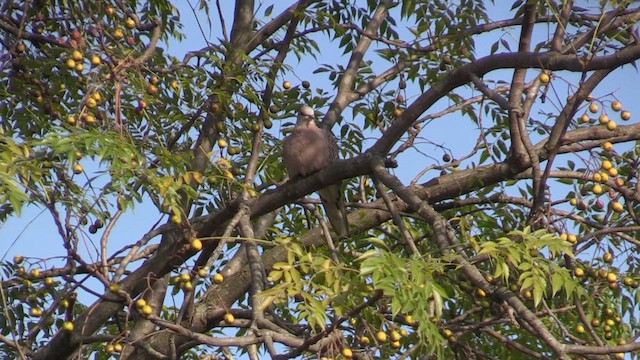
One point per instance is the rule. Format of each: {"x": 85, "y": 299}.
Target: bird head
{"x": 306, "y": 116}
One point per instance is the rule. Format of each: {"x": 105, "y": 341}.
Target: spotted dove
{"x": 308, "y": 149}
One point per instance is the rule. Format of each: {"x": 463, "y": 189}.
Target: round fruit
{"x": 395, "y": 336}
{"x": 117, "y": 347}
{"x": 268, "y": 124}
{"x": 118, "y": 34}
{"x": 395, "y": 344}
{"x": 114, "y": 288}
{"x": 585, "y": 118}
{"x": 346, "y": 352}
{"x": 176, "y": 219}
{"x": 580, "y": 329}
{"x": 130, "y": 23}
{"x": 91, "y": 103}
{"x": 578, "y": 272}
{"x": 617, "y": 207}
{"x": 544, "y": 78}
{"x": 572, "y": 238}
{"x": 381, "y": 336}
{"x": 306, "y": 84}
{"x": 607, "y": 257}
{"x": 187, "y": 286}
{"x": 611, "y": 277}
{"x": 625, "y": 115}
{"x": 286, "y": 85}
{"x": 146, "y": 310}
{"x": 140, "y": 303}
{"x": 616, "y": 106}
{"x": 110, "y": 349}
{"x": 604, "y": 119}
{"x": 606, "y": 165}
{"x": 95, "y": 60}
{"x": 152, "y": 89}
{"x": 21, "y": 47}
{"x": 71, "y": 64}
{"x": 611, "y": 125}
{"x": 365, "y": 341}
{"x": 196, "y": 245}
{"x": 18, "y": 259}
{"x": 597, "y": 189}
{"x": 218, "y": 278}
{"x": 595, "y": 323}
{"x": 222, "y": 143}
{"x": 110, "y": 10}
{"x": 79, "y": 67}
{"x": 593, "y": 107}
{"x": 397, "y": 112}
{"x": 409, "y": 320}
{"x": 185, "y": 277}
{"x": 89, "y": 119}
{"x": 229, "y": 319}
{"x": 77, "y": 169}
{"x": 35, "y": 312}
{"x": 67, "y": 326}
{"x": 607, "y": 146}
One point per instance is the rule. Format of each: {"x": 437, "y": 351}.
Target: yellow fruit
{"x": 580, "y": 329}
{"x": 176, "y": 219}
{"x": 91, "y": 103}
{"x": 346, "y": 352}
{"x": 625, "y": 115}
{"x": 544, "y": 78}
{"x": 146, "y": 310}
{"x": 606, "y": 165}
{"x": 90, "y": 119}
{"x": 229, "y": 318}
{"x": 117, "y": 347}
{"x": 607, "y": 146}
{"x": 130, "y": 23}
{"x": 185, "y": 277}
{"x": 395, "y": 336}
{"x": 79, "y": 67}
{"x": 152, "y": 89}
{"x": 218, "y": 278}
{"x": 35, "y": 312}
{"x": 611, "y": 277}
{"x": 286, "y": 85}
{"x": 187, "y": 286}
{"x": 395, "y": 345}
{"x": 77, "y": 169}
{"x": 64, "y": 303}
{"x": 110, "y": 10}
{"x": 110, "y": 349}
{"x": 481, "y": 293}
{"x": 114, "y": 288}
{"x": 48, "y": 281}
{"x": 140, "y": 303}
{"x": 617, "y": 207}
{"x": 222, "y": 143}
{"x": 381, "y": 336}
{"x": 604, "y": 176}
{"x": 597, "y": 177}
{"x": 95, "y": 60}
{"x": 573, "y": 201}
{"x": 585, "y": 118}
{"x": 610, "y": 322}
{"x": 578, "y": 272}
{"x": 409, "y": 320}
{"x": 619, "y": 356}
{"x": 196, "y": 244}
{"x": 604, "y": 119}
{"x": 404, "y": 333}
{"x": 67, "y": 326}
{"x": 572, "y": 238}
{"x": 595, "y": 323}
{"x": 613, "y": 172}
{"x": 597, "y": 189}
{"x": 593, "y": 107}
{"x": 118, "y": 34}
{"x": 203, "y": 272}
{"x": 616, "y": 106}
{"x": 71, "y": 64}
{"x": 365, "y": 341}
{"x": 607, "y": 257}
{"x": 397, "y": 112}
{"x": 77, "y": 55}
{"x": 611, "y": 125}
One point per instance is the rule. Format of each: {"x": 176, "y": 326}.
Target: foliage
{"x": 508, "y": 227}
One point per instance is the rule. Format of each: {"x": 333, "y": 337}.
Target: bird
{"x": 308, "y": 149}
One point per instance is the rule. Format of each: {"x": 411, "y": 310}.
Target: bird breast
{"x": 307, "y": 152}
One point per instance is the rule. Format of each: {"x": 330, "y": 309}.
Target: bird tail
{"x": 333, "y": 200}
